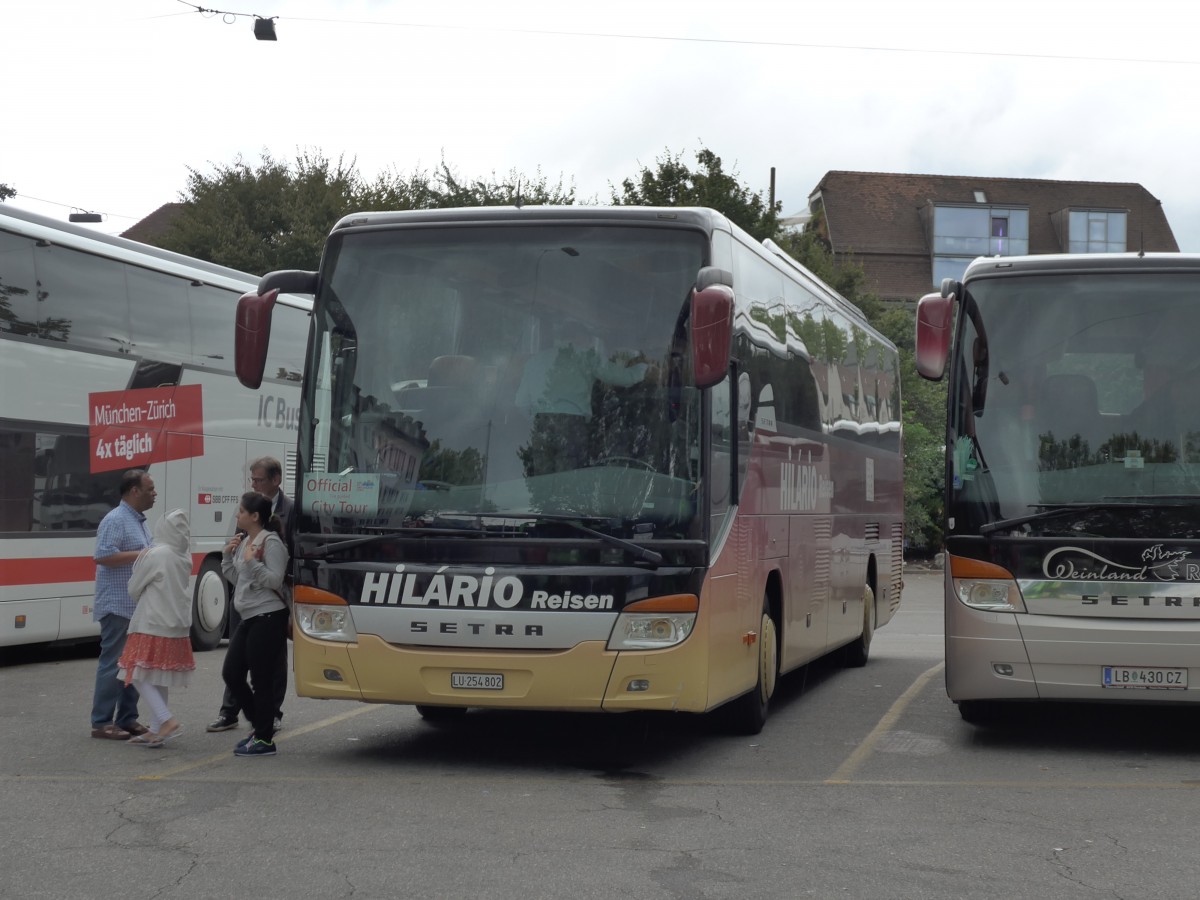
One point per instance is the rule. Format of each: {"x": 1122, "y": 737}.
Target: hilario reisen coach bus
{"x": 582, "y": 459}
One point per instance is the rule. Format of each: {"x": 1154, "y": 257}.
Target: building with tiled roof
{"x": 151, "y": 229}
{"x": 910, "y": 231}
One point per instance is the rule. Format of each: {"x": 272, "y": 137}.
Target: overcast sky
{"x": 107, "y": 104}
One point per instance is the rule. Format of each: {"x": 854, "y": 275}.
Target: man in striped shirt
{"x": 121, "y": 538}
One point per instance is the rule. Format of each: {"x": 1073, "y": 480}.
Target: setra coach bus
{"x": 582, "y": 459}
{"x": 116, "y": 355}
{"x": 1072, "y": 478}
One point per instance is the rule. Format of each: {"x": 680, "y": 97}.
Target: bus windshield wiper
{"x": 1056, "y": 509}
{"x": 577, "y": 522}
{"x": 1178, "y": 499}
{"x": 348, "y": 542}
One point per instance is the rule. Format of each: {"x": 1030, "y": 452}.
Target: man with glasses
{"x": 266, "y": 476}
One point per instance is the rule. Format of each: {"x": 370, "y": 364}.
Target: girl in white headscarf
{"x": 158, "y": 650}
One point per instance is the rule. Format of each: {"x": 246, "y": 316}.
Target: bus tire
{"x": 210, "y": 606}
{"x": 981, "y": 713}
{"x": 858, "y": 651}
{"x": 438, "y": 714}
{"x": 748, "y": 713}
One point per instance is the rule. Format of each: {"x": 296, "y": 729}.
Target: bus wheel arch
{"x": 858, "y": 651}
{"x": 210, "y": 605}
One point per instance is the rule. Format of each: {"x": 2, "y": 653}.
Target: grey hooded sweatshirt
{"x": 257, "y": 583}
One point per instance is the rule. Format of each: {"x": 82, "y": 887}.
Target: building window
{"x": 1000, "y": 235}
{"x": 1096, "y": 231}
{"x": 962, "y": 233}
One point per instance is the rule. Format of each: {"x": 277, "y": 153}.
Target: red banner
{"x": 131, "y": 429}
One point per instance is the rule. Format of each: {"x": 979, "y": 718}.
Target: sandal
{"x": 110, "y": 732}
{"x": 175, "y": 732}
{"x": 141, "y": 739}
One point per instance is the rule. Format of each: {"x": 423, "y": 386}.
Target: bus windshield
{"x": 531, "y": 370}
{"x": 1073, "y": 406}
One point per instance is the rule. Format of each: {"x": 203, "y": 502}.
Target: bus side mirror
{"x": 252, "y": 336}
{"x": 289, "y": 281}
{"x": 712, "y": 334}
{"x": 935, "y": 316}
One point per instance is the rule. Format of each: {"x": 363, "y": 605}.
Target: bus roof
{"x": 707, "y": 219}
{"x": 86, "y": 240}
{"x": 1080, "y": 263}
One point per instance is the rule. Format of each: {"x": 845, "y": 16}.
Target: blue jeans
{"x": 112, "y": 701}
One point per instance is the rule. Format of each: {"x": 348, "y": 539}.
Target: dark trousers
{"x": 256, "y": 649}
{"x": 230, "y": 707}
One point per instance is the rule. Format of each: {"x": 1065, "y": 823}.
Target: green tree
{"x": 672, "y": 183}
{"x": 847, "y": 278}
{"x": 274, "y": 214}
{"x": 6, "y": 192}
{"x": 924, "y": 469}
{"x": 444, "y": 188}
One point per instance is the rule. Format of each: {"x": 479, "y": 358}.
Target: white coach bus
{"x": 116, "y": 355}
{"x": 1072, "y": 478}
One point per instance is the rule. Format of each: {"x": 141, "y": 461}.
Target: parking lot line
{"x": 222, "y": 757}
{"x": 855, "y": 760}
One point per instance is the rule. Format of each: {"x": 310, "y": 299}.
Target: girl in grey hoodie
{"x": 158, "y": 651}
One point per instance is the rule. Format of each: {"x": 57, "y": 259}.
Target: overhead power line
{"x": 75, "y": 207}
{"x": 264, "y": 27}
{"x": 666, "y": 38}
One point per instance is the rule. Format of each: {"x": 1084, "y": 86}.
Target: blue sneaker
{"x": 255, "y": 747}
{"x": 244, "y": 741}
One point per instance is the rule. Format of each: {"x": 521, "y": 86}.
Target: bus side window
{"x": 18, "y": 285}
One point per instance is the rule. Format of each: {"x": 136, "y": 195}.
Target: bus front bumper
{"x": 1038, "y": 657}
{"x": 585, "y": 677}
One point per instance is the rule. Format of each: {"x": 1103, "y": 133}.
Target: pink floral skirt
{"x": 164, "y": 661}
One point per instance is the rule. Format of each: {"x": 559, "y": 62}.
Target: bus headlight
{"x": 650, "y": 631}
{"x": 326, "y": 623}
{"x": 982, "y": 585}
{"x": 655, "y": 623}
{"x": 994, "y": 596}
{"x": 322, "y": 615}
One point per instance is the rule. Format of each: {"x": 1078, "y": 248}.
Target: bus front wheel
{"x": 210, "y": 606}
{"x": 982, "y": 713}
{"x": 748, "y": 713}
{"x": 438, "y": 714}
